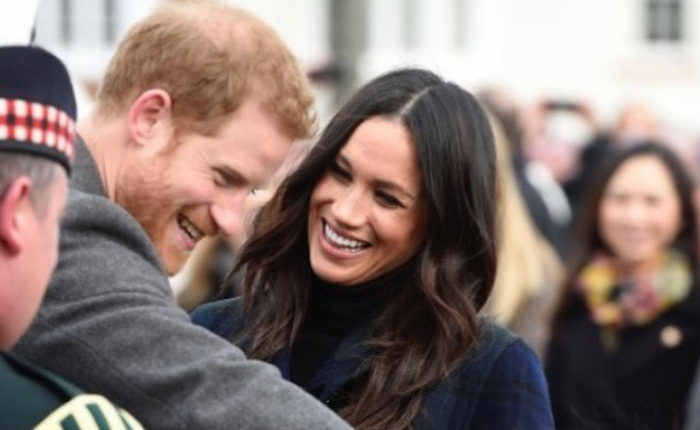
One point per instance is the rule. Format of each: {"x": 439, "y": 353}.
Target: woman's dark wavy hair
{"x": 588, "y": 231}
{"x": 429, "y": 327}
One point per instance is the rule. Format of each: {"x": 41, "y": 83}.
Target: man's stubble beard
{"x": 148, "y": 197}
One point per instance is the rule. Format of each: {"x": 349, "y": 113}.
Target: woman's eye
{"x": 388, "y": 200}
{"x": 653, "y": 200}
{"x": 617, "y": 198}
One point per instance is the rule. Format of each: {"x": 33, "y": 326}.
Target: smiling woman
{"x": 366, "y": 270}
{"x": 632, "y": 314}
{"x": 365, "y": 215}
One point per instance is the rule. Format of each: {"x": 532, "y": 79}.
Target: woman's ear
{"x": 149, "y": 117}
{"x": 15, "y": 208}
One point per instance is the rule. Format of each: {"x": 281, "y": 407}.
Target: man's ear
{"x": 150, "y": 116}
{"x": 15, "y": 207}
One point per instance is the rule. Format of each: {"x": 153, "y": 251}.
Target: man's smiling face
{"x": 197, "y": 186}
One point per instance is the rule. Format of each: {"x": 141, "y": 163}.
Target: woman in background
{"x": 627, "y": 337}
{"x": 366, "y": 270}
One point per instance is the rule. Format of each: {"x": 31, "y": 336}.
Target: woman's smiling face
{"x": 367, "y": 212}
{"x": 640, "y": 213}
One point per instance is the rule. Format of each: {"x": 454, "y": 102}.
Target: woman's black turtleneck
{"x": 335, "y": 312}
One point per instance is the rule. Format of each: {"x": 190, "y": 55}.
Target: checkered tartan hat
{"x": 37, "y": 105}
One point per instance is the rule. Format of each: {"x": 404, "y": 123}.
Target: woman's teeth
{"x": 342, "y": 242}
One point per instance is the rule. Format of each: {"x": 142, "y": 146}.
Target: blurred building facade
{"x": 605, "y": 52}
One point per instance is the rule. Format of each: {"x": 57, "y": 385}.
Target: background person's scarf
{"x": 617, "y": 302}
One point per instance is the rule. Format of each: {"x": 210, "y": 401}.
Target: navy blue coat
{"x": 500, "y": 385}
{"x": 641, "y": 385}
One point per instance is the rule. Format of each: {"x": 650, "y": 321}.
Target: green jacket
{"x": 32, "y": 398}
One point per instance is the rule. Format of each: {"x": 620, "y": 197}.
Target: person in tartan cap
{"x": 37, "y": 146}
{"x": 37, "y": 134}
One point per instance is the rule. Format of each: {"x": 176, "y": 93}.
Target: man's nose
{"x": 227, "y": 211}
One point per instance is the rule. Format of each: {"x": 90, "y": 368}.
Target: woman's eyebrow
{"x": 379, "y": 183}
{"x": 344, "y": 162}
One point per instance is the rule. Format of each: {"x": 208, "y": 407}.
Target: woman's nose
{"x": 350, "y": 209}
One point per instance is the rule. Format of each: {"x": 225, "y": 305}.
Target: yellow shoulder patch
{"x": 89, "y": 412}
